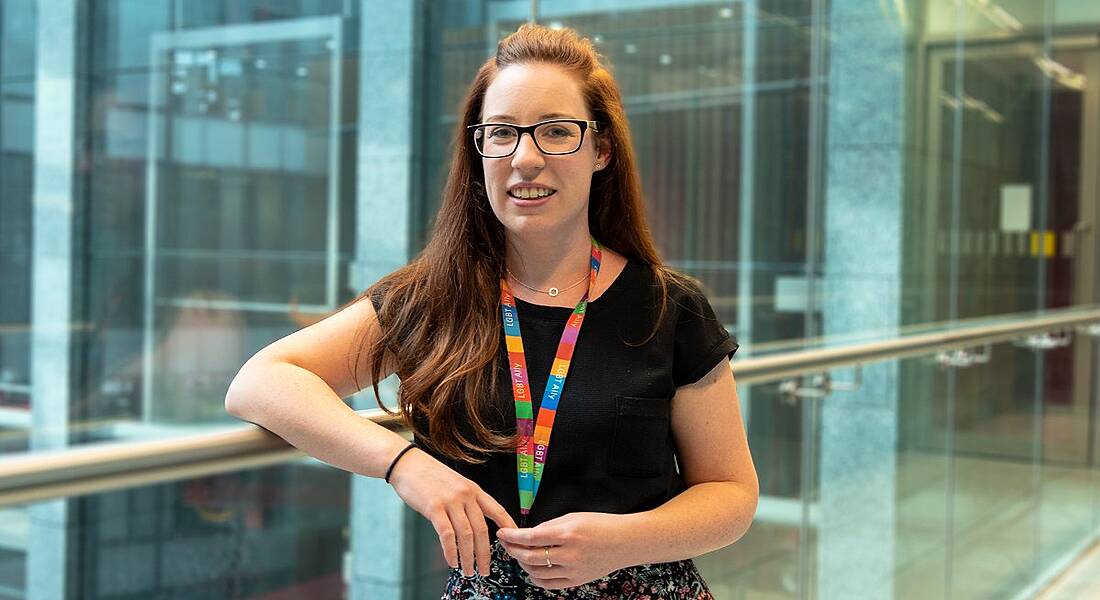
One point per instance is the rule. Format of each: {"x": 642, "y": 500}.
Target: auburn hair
{"x": 440, "y": 314}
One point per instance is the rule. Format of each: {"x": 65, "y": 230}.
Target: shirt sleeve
{"x": 701, "y": 340}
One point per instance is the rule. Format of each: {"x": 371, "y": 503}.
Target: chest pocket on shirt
{"x": 639, "y": 444}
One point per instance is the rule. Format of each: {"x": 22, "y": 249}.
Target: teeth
{"x": 528, "y": 193}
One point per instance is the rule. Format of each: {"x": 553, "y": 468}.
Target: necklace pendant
{"x": 552, "y": 291}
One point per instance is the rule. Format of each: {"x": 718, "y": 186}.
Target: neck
{"x": 549, "y": 259}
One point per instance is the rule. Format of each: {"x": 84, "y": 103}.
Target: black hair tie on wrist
{"x": 398, "y": 457}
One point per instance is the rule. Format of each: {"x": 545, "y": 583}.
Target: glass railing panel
{"x": 776, "y": 558}
{"x": 994, "y": 538}
{"x": 274, "y": 532}
{"x": 996, "y": 488}
{"x": 1068, "y": 479}
{"x": 924, "y": 483}
{"x": 764, "y": 563}
{"x": 988, "y": 424}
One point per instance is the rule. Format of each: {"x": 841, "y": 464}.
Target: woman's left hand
{"x": 583, "y": 546}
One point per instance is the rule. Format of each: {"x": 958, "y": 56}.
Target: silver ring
{"x": 547, "y": 550}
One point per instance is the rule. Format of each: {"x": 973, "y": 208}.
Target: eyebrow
{"x": 553, "y": 115}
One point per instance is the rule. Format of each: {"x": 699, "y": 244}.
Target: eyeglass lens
{"x": 551, "y": 138}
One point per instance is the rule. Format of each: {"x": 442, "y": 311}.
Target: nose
{"x": 527, "y": 155}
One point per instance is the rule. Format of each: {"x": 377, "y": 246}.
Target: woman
{"x": 539, "y": 306}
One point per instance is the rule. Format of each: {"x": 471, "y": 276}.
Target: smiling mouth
{"x": 532, "y": 196}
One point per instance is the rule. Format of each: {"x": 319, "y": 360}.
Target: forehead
{"x": 527, "y": 92}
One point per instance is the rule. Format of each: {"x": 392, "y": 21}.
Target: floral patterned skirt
{"x": 507, "y": 580}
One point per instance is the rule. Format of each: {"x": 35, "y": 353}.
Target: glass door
{"x": 1014, "y": 215}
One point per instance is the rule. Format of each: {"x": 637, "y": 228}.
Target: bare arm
{"x": 294, "y": 388}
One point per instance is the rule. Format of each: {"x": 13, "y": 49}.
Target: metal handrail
{"x": 110, "y": 466}
{"x": 960, "y": 335}
{"x": 47, "y": 475}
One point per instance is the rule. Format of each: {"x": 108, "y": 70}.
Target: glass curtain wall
{"x": 213, "y": 175}
{"x": 17, "y": 94}
{"x": 1001, "y": 220}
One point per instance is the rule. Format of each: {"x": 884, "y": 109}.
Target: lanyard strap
{"x": 531, "y": 449}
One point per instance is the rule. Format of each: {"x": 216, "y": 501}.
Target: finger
{"x": 514, "y": 547}
{"x": 536, "y": 557}
{"x": 523, "y": 536}
{"x": 481, "y": 537}
{"x": 534, "y": 537}
{"x": 446, "y": 532}
{"x": 494, "y": 510}
{"x": 464, "y": 534}
{"x": 525, "y": 555}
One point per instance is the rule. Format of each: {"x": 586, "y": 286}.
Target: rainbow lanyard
{"x": 531, "y": 450}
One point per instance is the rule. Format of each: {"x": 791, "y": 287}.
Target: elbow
{"x": 752, "y": 488}
{"x": 238, "y": 398}
{"x": 746, "y": 499}
{"x": 752, "y": 499}
{"x": 753, "y": 505}
{"x": 234, "y": 400}
{"x": 749, "y": 487}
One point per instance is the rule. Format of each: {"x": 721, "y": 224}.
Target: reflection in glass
{"x": 281, "y": 530}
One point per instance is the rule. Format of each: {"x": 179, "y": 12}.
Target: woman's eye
{"x": 559, "y": 132}
{"x": 501, "y": 132}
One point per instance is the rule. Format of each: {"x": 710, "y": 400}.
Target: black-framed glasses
{"x": 555, "y": 136}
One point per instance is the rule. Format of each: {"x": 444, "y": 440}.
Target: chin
{"x": 531, "y": 224}
{"x": 545, "y": 219}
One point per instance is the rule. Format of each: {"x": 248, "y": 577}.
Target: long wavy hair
{"x": 440, "y": 314}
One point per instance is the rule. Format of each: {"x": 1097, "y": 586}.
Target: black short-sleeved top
{"x": 611, "y": 448}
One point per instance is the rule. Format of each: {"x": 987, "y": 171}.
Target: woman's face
{"x": 524, "y": 95}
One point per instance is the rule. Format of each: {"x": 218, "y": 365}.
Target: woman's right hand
{"x": 456, "y": 507}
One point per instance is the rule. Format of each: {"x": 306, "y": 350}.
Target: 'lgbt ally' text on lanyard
{"x": 531, "y": 450}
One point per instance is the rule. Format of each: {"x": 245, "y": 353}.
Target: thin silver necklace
{"x": 552, "y": 292}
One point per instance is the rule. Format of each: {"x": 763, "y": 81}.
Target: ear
{"x": 603, "y": 152}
